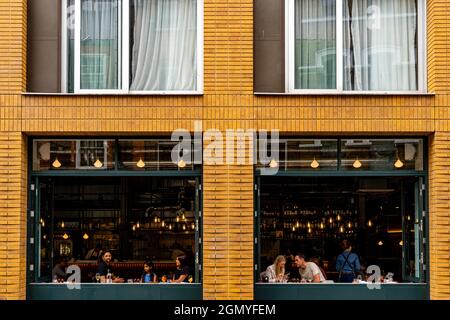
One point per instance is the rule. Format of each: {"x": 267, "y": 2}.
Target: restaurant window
{"x": 355, "y": 45}
{"x": 81, "y": 209}
{"x": 378, "y": 207}
{"x": 131, "y": 46}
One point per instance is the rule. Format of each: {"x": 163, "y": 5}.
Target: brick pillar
{"x": 439, "y": 223}
{"x": 12, "y": 216}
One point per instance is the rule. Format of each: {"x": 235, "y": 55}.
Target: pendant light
{"x": 163, "y": 224}
{"x": 183, "y": 217}
{"x": 338, "y": 217}
{"x": 349, "y": 225}
{"x": 380, "y": 243}
{"x": 65, "y": 236}
{"x": 193, "y": 226}
{"x": 138, "y": 225}
{"x": 140, "y": 163}
{"x": 184, "y": 227}
{"x": 178, "y": 219}
{"x": 369, "y": 223}
{"x": 322, "y": 225}
{"x": 341, "y": 229}
{"x": 85, "y": 236}
{"x": 399, "y": 163}
{"x": 98, "y": 163}
{"x": 62, "y": 224}
{"x": 400, "y": 243}
{"x": 357, "y": 164}
{"x": 297, "y": 224}
{"x": 181, "y": 163}
{"x": 56, "y": 164}
{"x": 273, "y": 164}
{"x": 293, "y": 229}
{"x": 315, "y": 164}
{"x": 133, "y": 228}
{"x": 170, "y": 227}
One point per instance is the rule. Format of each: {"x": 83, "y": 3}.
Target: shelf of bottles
{"x": 302, "y": 223}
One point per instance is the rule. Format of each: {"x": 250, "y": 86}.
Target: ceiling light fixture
{"x": 98, "y": 163}
{"x": 56, "y": 163}
{"x": 140, "y": 163}
{"x": 273, "y": 163}
{"x": 315, "y": 164}
{"x": 357, "y": 164}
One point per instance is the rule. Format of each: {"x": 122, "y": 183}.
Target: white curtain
{"x": 99, "y": 44}
{"x": 380, "y": 48}
{"x": 165, "y": 42}
{"x": 315, "y": 44}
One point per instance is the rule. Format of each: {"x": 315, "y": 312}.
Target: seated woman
{"x": 275, "y": 272}
{"x": 148, "y": 275}
{"x": 183, "y": 270}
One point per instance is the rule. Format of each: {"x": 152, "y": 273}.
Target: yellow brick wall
{"x": 228, "y": 102}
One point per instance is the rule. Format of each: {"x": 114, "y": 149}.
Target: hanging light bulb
{"x": 380, "y": 243}
{"x": 400, "y": 243}
{"x": 170, "y": 227}
{"x": 357, "y": 164}
{"x": 138, "y": 225}
{"x": 62, "y": 224}
{"x": 181, "y": 163}
{"x": 193, "y": 226}
{"x": 338, "y": 217}
{"x": 309, "y": 230}
{"x": 98, "y": 163}
{"x": 42, "y": 222}
{"x": 140, "y": 163}
{"x": 65, "y": 236}
{"x": 163, "y": 224}
{"x": 156, "y": 220}
{"x": 369, "y": 223}
{"x": 297, "y": 224}
{"x": 315, "y": 164}
{"x": 273, "y": 163}
{"x": 178, "y": 219}
{"x": 85, "y": 236}
{"x": 349, "y": 225}
{"x": 331, "y": 220}
{"x": 309, "y": 225}
{"x": 44, "y": 236}
{"x": 56, "y": 163}
{"x": 183, "y": 217}
{"x": 134, "y": 227}
{"x": 399, "y": 163}
{"x": 293, "y": 229}
{"x": 184, "y": 227}
{"x": 322, "y": 225}
{"x": 341, "y": 229}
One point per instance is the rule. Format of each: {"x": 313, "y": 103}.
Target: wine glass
{"x": 190, "y": 279}
{"x": 97, "y": 277}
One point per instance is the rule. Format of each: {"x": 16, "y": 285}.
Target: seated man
{"x": 105, "y": 269}
{"x": 59, "y": 270}
{"x": 309, "y": 271}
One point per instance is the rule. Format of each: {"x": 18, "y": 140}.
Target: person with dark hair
{"x": 183, "y": 270}
{"x": 309, "y": 271}
{"x": 105, "y": 269}
{"x": 148, "y": 275}
{"x": 347, "y": 263}
{"x": 319, "y": 263}
{"x": 94, "y": 253}
{"x": 59, "y": 270}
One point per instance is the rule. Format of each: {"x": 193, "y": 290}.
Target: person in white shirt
{"x": 276, "y": 271}
{"x": 309, "y": 271}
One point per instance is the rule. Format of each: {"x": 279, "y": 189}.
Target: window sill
{"x": 347, "y": 93}
{"x": 131, "y": 94}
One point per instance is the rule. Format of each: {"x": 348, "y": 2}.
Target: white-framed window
{"x": 355, "y": 46}
{"x": 132, "y": 46}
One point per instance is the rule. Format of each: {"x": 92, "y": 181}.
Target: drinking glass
{"x": 97, "y": 277}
